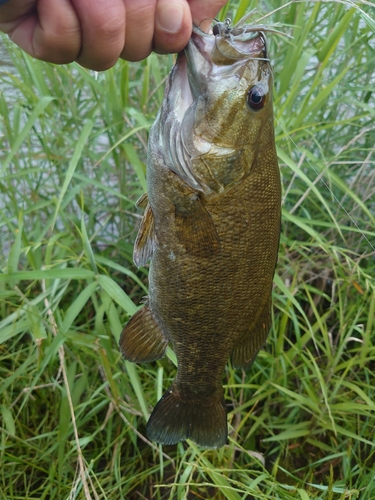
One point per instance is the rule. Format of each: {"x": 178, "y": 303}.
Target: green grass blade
{"x": 117, "y": 294}
{"x": 37, "y": 111}
{"x": 77, "y": 155}
{"x": 67, "y": 273}
{"x": 76, "y": 307}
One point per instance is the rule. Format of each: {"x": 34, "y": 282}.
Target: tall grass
{"x": 72, "y": 154}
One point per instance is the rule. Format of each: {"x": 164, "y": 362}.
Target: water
{"x": 5, "y": 59}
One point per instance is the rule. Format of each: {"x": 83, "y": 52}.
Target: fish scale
{"x": 211, "y": 231}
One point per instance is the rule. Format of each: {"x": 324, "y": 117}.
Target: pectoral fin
{"x": 145, "y": 242}
{"x": 244, "y": 353}
{"x": 196, "y": 229}
{"x": 142, "y": 340}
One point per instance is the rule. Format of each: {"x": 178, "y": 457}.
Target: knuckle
{"x": 111, "y": 29}
{"x": 59, "y": 47}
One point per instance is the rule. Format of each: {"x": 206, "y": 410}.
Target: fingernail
{"x": 170, "y": 18}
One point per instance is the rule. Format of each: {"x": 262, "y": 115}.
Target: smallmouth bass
{"x": 211, "y": 229}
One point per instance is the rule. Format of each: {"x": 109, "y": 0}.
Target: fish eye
{"x": 256, "y": 98}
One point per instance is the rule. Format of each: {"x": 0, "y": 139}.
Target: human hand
{"x": 95, "y": 33}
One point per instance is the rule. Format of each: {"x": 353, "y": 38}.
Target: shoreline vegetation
{"x": 72, "y": 164}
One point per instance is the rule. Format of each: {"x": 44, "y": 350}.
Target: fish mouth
{"x": 206, "y": 54}
{"x": 215, "y": 56}
{"x": 226, "y": 49}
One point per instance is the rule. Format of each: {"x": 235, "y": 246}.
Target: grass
{"x": 72, "y": 162}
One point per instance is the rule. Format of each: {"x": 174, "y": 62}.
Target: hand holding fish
{"x": 97, "y": 33}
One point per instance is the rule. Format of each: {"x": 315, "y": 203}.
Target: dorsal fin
{"x": 145, "y": 242}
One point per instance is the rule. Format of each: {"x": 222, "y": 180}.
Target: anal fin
{"x": 246, "y": 350}
{"x": 145, "y": 242}
{"x": 142, "y": 339}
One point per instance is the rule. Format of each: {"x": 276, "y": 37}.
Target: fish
{"x": 210, "y": 229}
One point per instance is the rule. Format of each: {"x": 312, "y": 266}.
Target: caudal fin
{"x": 175, "y": 419}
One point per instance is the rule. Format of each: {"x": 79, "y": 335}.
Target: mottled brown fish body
{"x": 211, "y": 228}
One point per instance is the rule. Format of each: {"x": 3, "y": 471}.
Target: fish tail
{"x": 175, "y": 418}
